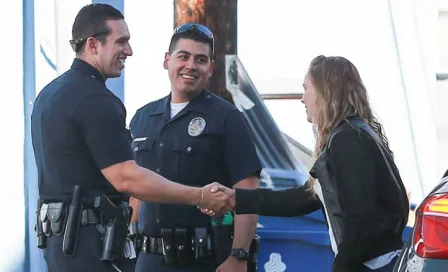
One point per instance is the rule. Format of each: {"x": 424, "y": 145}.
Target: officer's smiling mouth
{"x": 190, "y": 77}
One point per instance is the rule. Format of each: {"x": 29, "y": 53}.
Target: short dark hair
{"x": 91, "y": 21}
{"x": 190, "y": 35}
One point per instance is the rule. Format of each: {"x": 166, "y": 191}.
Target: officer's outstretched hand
{"x": 216, "y": 189}
{"x": 219, "y": 202}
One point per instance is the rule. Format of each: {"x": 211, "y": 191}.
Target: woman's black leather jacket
{"x": 366, "y": 201}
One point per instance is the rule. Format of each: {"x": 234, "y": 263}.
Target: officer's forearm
{"x": 151, "y": 187}
{"x": 245, "y": 227}
{"x": 128, "y": 177}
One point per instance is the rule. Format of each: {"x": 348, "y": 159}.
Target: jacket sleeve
{"x": 295, "y": 201}
{"x": 353, "y": 162}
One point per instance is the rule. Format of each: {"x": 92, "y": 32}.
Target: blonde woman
{"x": 354, "y": 180}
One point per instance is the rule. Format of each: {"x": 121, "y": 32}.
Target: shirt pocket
{"x": 196, "y": 161}
{"x": 143, "y": 148}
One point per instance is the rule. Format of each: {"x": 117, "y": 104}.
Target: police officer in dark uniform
{"x": 193, "y": 137}
{"x": 84, "y": 157}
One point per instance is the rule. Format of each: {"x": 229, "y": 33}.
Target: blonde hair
{"x": 340, "y": 93}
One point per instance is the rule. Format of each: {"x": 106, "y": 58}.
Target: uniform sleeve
{"x": 241, "y": 158}
{"x": 101, "y": 120}
{"x": 354, "y": 168}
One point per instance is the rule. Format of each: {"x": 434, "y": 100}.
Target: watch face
{"x": 240, "y": 254}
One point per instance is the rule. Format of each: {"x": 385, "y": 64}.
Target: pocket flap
{"x": 43, "y": 212}
{"x": 200, "y": 238}
{"x": 55, "y": 211}
{"x": 142, "y": 143}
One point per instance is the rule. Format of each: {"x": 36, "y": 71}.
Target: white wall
{"x": 65, "y": 13}
{"x": 146, "y": 79}
{"x": 443, "y": 36}
{"x": 276, "y": 51}
{"x": 11, "y": 138}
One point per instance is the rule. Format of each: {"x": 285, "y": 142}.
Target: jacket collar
{"x": 346, "y": 119}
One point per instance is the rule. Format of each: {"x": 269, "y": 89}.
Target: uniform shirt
{"x": 78, "y": 127}
{"x": 206, "y": 141}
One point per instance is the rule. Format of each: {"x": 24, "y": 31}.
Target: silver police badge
{"x": 196, "y": 126}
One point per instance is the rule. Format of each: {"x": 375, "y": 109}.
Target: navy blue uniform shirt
{"x": 207, "y": 141}
{"x": 78, "y": 127}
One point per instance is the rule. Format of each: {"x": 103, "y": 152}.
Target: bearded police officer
{"x": 84, "y": 158}
{"x": 193, "y": 136}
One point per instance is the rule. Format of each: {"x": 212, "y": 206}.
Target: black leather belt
{"x": 155, "y": 245}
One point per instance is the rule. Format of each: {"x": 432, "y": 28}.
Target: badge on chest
{"x": 196, "y": 126}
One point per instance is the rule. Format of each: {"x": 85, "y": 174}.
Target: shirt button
{"x": 158, "y": 170}
{"x": 189, "y": 148}
{"x": 161, "y": 145}
{"x": 136, "y": 148}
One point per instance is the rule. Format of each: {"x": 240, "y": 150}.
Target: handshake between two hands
{"x": 217, "y": 199}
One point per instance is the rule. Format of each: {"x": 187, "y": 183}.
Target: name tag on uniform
{"x": 140, "y": 139}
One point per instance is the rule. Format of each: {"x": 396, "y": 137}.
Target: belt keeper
{"x": 144, "y": 246}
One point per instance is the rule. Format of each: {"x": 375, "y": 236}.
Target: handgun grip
{"x": 107, "y": 254}
{"x": 106, "y": 206}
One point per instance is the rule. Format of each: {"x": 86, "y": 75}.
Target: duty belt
{"x": 64, "y": 219}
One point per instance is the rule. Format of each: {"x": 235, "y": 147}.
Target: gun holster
{"x": 115, "y": 226}
{"x": 222, "y": 242}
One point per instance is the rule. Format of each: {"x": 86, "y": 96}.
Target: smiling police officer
{"x": 193, "y": 137}
{"x": 84, "y": 158}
